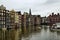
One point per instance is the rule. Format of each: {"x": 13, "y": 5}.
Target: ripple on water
{"x": 44, "y": 35}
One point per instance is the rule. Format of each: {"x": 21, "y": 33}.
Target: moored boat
{"x": 55, "y": 27}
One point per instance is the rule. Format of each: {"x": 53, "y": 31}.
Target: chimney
{"x": 58, "y": 14}
{"x": 52, "y": 13}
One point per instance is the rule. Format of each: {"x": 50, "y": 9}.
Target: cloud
{"x": 41, "y": 7}
{"x": 22, "y": 3}
{"x": 52, "y": 1}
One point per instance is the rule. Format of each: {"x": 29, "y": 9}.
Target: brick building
{"x": 54, "y": 18}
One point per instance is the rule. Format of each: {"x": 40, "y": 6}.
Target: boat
{"x": 53, "y": 27}
{"x": 56, "y": 27}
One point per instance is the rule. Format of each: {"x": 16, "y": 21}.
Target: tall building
{"x": 12, "y": 19}
{"x": 19, "y": 18}
{"x": 2, "y": 16}
{"x": 30, "y": 12}
{"x": 25, "y": 22}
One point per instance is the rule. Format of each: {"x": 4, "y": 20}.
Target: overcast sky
{"x": 38, "y": 7}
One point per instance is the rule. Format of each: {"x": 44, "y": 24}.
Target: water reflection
{"x": 10, "y": 35}
{"x": 43, "y": 34}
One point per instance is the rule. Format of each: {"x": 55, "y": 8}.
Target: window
{"x": 4, "y": 22}
{"x": 1, "y": 13}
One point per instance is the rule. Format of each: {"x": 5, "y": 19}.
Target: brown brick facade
{"x": 54, "y": 18}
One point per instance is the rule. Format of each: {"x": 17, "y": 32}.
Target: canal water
{"x": 43, "y": 34}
